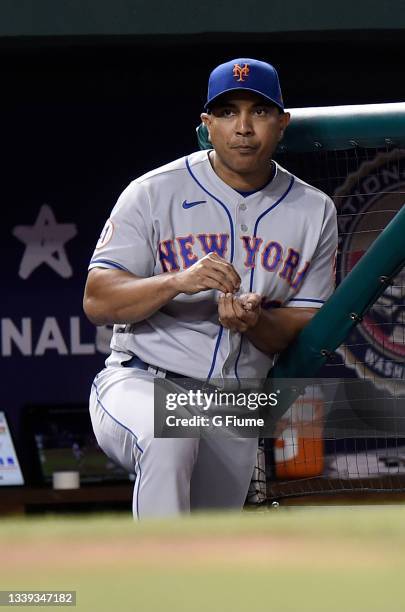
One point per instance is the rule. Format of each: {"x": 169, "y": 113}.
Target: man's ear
{"x": 206, "y": 119}
{"x": 284, "y": 121}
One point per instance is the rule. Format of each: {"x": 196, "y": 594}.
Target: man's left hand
{"x": 239, "y": 313}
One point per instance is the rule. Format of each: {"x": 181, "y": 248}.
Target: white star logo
{"x": 44, "y": 244}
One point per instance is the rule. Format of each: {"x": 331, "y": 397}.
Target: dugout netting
{"x": 346, "y": 434}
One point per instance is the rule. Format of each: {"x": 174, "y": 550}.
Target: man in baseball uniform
{"x": 208, "y": 267}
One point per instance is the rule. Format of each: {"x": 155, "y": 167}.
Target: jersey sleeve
{"x": 126, "y": 240}
{"x": 319, "y": 282}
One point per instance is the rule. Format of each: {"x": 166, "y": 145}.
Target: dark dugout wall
{"x": 136, "y": 17}
{"x": 93, "y": 96}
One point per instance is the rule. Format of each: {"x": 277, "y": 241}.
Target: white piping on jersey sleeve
{"x": 130, "y": 247}
{"x": 319, "y": 282}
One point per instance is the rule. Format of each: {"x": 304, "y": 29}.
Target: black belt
{"x": 192, "y": 383}
{"x": 137, "y": 362}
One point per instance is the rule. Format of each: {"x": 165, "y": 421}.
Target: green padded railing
{"x": 338, "y": 127}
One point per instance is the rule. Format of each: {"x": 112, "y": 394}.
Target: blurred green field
{"x": 349, "y": 559}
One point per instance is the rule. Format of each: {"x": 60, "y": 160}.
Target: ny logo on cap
{"x": 241, "y": 72}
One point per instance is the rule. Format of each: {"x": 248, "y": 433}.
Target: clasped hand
{"x": 238, "y": 313}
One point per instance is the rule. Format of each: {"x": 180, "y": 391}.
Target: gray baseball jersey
{"x": 281, "y": 239}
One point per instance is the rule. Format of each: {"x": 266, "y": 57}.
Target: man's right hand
{"x": 210, "y": 272}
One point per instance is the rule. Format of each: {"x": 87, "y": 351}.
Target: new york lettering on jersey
{"x": 182, "y": 252}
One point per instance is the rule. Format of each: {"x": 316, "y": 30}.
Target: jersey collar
{"x": 232, "y": 194}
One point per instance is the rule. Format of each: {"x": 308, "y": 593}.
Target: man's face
{"x": 244, "y": 130}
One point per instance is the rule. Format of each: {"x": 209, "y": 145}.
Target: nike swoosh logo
{"x": 191, "y": 204}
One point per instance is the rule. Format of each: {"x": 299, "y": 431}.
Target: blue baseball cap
{"x": 244, "y": 73}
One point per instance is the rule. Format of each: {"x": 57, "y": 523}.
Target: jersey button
{"x": 243, "y": 206}
{"x": 244, "y": 227}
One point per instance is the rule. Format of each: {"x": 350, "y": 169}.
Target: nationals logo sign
{"x": 366, "y": 203}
